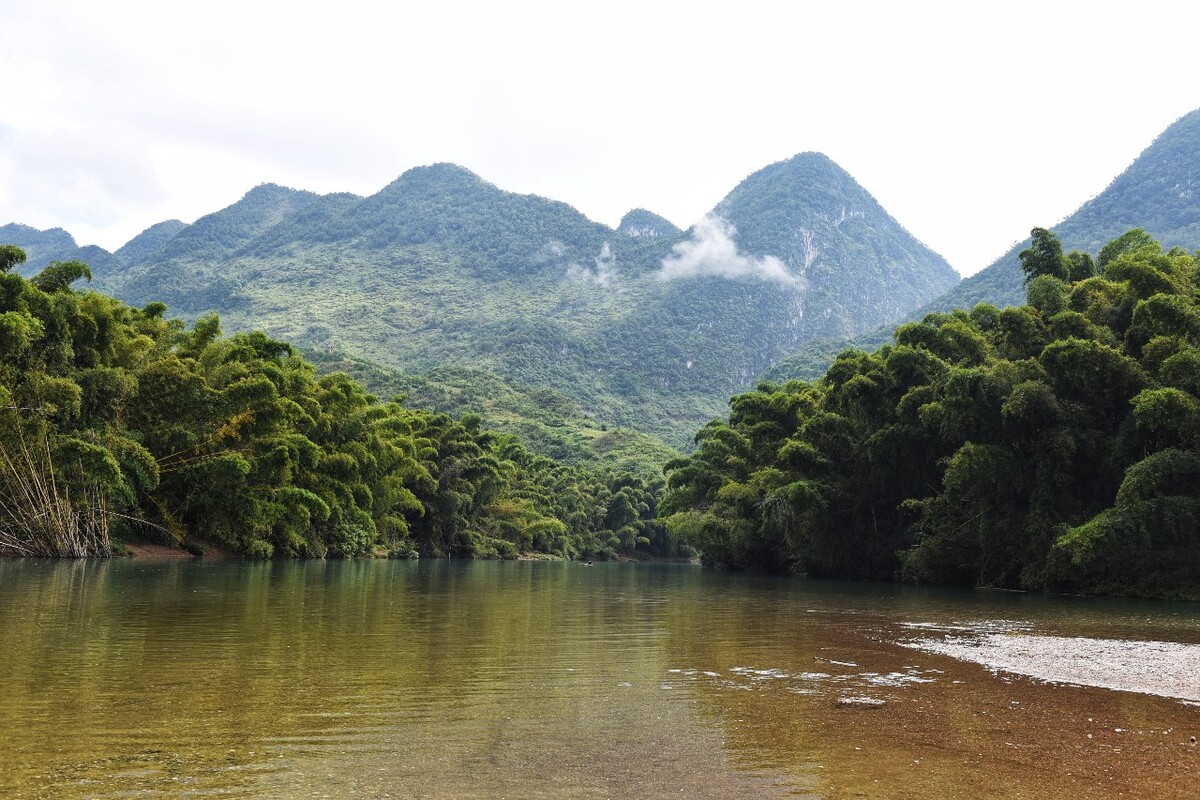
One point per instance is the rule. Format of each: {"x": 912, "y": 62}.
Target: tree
{"x": 59, "y": 275}
{"x": 1127, "y": 242}
{"x": 10, "y": 256}
{"x": 1044, "y": 256}
{"x": 1080, "y": 266}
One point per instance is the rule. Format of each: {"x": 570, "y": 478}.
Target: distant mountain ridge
{"x": 644, "y": 326}
{"x": 55, "y": 244}
{"x": 150, "y": 241}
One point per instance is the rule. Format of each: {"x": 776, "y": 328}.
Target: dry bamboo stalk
{"x": 38, "y": 517}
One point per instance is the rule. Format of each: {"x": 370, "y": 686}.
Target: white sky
{"x": 969, "y": 123}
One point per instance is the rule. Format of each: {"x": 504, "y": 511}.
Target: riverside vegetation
{"x": 1050, "y": 446}
{"x": 117, "y": 423}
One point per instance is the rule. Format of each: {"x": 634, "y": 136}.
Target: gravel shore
{"x": 1166, "y": 669}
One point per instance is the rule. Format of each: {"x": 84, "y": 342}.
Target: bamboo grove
{"x": 1052, "y": 446}
{"x": 119, "y": 424}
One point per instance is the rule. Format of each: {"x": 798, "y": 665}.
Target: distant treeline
{"x": 1052, "y": 446}
{"x": 119, "y": 424}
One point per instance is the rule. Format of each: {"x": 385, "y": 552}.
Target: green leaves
{"x": 59, "y": 275}
{"x": 1146, "y": 543}
{"x": 10, "y": 256}
{"x": 1044, "y": 256}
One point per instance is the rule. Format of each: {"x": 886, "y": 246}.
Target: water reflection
{"x": 482, "y": 679}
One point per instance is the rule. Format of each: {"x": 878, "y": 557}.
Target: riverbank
{"x": 150, "y": 551}
{"x": 159, "y": 552}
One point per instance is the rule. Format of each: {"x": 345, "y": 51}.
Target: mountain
{"x": 642, "y": 223}
{"x": 41, "y": 247}
{"x": 55, "y": 244}
{"x": 860, "y": 266}
{"x": 645, "y": 326}
{"x": 140, "y": 248}
{"x": 220, "y": 235}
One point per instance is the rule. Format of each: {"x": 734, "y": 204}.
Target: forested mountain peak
{"x": 802, "y": 192}
{"x": 270, "y": 194}
{"x": 440, "y": 177}
{"x": 854, "y": 259}
{"x": 40, "y": 246}
{"x": 51, "y": 237}
{"x": 453, "y": 210}
{"x": 149, "y": 241}
{"x": 220, "y": 234}
{"x": 640, "y": 223}
{"x": 807, "y": 180}
{"x": 444, "y": 188}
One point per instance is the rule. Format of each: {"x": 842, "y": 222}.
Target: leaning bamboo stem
{"x": 37, "y": 516}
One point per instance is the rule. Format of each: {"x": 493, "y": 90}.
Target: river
{"x": 453, "y": 679}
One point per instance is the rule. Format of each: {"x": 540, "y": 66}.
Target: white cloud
{"x": 61, "y": 178}
{"x": 712, "y": 252}
{"x": 605, "y": 273}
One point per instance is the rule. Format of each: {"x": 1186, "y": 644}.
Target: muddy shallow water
{"x": 462, "y": 680}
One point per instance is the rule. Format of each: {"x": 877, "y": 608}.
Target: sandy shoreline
{"x": 148, "y": 551}
{"x": 1165, "y": 669}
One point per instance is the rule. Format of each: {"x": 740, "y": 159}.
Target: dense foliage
{"x": 1054, "y": 445}
{"x": 118, "y": 422}
{"x": 545, "y": 421}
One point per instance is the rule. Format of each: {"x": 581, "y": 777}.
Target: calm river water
{"x": 436, "y": 679}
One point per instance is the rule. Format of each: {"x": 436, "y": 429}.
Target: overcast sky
{"x": 969, "y": 123}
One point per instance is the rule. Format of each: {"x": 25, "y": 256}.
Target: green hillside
{"x": 55, "y": 244}
{"x": 646, "y": 327}
{"x": 546, "y": 421}
{"x": 646, "y": 224}
{"x": 143, "y": 246}
{"x": 1159, "y": 192}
